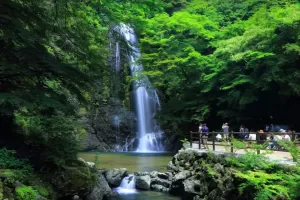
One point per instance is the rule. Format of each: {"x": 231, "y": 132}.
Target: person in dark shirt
{"x": 204, "y": 135}
{"x": 262, "y": 135}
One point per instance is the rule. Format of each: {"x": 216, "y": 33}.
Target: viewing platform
{"x": 227, "y": 146}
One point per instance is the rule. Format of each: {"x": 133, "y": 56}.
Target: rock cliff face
{"x": 103, "y": 135}
{"x": 110, "y": 120}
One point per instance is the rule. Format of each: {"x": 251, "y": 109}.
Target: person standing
{"x": 246, "y": 134}
{"x": 225, "y": 128}
{"x": 262, "y": 136}
{"x": 242, "y": 132}
{"x": 200, "y": 128}
{"x": 204, "y": 131}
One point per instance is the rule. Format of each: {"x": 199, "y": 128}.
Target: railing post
{"x": 258, "y": 141}
{"x": 214, "y": 138}
{"x": 230, "y": 138}
{"x": 293, "y": 140}
{"x": 191, "y": 139}
{"x": 199, "y": 138}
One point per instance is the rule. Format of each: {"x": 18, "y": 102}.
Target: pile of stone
{"x": 153, "y": 180}
{"x": 200, "y": 175}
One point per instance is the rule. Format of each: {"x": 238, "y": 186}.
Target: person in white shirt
{"x": 225, "y": 128}
{"x": 287, "y": 137}
{"x": 219, "y": 137}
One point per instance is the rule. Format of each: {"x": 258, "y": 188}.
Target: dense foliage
{"x": 47, "y": 69}
{"x": 266, "y": 179}
{"x": 217, "y": 61}
{"x": 53, "y": 71}
{"x": 211, "y": 60}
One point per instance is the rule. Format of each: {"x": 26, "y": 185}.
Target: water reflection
{"x": 145, "y": 195}
{"x": 133, "y": 161}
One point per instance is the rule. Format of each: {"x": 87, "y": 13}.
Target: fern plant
{"x": 269, "y": 186}
{"x": 292, "y": 149}
{"x": 268, "y": 180}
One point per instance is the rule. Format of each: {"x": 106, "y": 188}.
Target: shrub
{"x": 8, "y": 160}
{"x": 26, "y": 193}
{"x": 269, "y": 186}
{"x": 292, "y": 148}
{"x": 268, "y": 180}
{"x": 57, "y": 136}
{"x": 41, "y": 190}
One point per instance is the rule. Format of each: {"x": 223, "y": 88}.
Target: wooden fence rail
{"x": 211, "y": 136}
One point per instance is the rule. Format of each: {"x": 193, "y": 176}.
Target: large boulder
{"x": 114, "y": 176}
{"x": 143, "y": 182}
{"x": 191, "y": 185}
{"x": 153, "y": 174}
{"x": 181, "y": 176}
{"x": 101, "y": 190}
{"x": 159, "y": 188}
{"x": 76, "y": 178}
{"x": 161, "y": 182}
{"x": 163, "y": 175}
{"x": 90, "y": 164}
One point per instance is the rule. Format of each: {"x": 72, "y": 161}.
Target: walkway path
{"x": 276, "y": 155}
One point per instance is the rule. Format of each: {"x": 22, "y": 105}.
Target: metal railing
{"x": 211, "y": 136}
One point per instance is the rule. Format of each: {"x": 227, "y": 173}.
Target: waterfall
{"x": 127, "y": 144}
{"x": 146, "y": 99}
{"x": 118, "y": 61}
{"x": 116, "y": 124}
{"x": 127, "y": 185}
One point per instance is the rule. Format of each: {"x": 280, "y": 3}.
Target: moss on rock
{"x": 7, "y": 173}
{"x": 75, "y": 178}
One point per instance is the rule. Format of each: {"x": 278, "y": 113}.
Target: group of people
{"x": 244, "y": 134}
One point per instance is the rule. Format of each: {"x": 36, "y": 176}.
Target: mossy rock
{"x": 7, "y": 173}
{"x": 76, "y": 178}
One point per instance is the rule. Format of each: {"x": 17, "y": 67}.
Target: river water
{"x": 133, "y": 161}
{"x": 145, "y": 195}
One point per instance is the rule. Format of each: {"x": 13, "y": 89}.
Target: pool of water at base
{"x": 144, "y": 195}
{"x": 133, "y": 161}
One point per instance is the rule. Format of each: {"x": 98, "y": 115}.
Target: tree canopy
{"x": 217, "y": 61}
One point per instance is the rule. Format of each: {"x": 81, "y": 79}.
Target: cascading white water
{"x": 146, "y": 99}
{"x": 127, "y": 144}
{"x": 127, "y": 185}
{"x": 116, "y": 124}
{"x": 118, "y": 60}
